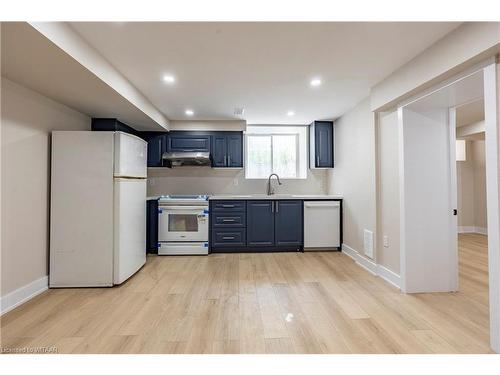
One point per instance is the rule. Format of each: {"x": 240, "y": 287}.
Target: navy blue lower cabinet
{"x": 260, "y": 223}
{"x": 228, "y": 206}
{"x": 288, "y": 223}
{"x": 256, "y": 225}
{"x": 152, "y": 226}
{"x": 228, "y": 219}
{"x": 230, "y": 238}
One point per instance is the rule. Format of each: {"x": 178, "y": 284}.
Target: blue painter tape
{"x": 205, "y": 211}
{"x": 205, "y": 244}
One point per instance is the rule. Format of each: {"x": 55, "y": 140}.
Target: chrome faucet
{"x": 270, "y": 189}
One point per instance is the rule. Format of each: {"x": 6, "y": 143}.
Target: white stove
{"x": 183, "y": 225}
{"x": 183, "y": 199}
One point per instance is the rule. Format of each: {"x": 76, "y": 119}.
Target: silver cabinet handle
{"x": 228, "y": 205}
{"x": 317, "y": 161}
{"x": 227, "y": 220}
{"x": 277, "y": 207}
{"x": 228, "y": 160}
{"x": 228, "y": 238}
{"x": 272, "y": 206}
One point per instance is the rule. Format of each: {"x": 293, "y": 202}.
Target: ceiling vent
{"x": 239, "y": 111}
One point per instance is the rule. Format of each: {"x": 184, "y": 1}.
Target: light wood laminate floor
{"x": 259, "y": 303}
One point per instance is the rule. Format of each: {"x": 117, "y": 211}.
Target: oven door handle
{"x": 184, "y": 208}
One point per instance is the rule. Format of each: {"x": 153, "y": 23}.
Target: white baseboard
{"x": 472, "y": 229}
{"x": 376, "y": 269}
{"x": 482, "y": 230}
{"x": 359, "y": 259}
{"x": 389, "y": 276}
{"x": 24, "y": 294}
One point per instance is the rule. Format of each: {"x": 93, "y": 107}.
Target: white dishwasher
{"x": 321, "y": 225}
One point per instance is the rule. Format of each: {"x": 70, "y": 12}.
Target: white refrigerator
{"x": 98, "y": 208}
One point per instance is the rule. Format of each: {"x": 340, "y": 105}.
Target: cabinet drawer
{"x": 229, "y": 206}
{"x": 229, "y": 238}
{"x": 228, "y": 219}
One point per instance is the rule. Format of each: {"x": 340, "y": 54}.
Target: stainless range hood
{"x": 182, "y": 159}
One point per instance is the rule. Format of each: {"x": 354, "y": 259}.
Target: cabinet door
{"x": 156, "y": 147}
{"x": 182, "y": 142}
{"x": 152, "y": 226}
{"x": 324, "y": 144}
{"x": 219, "y": 147}
{"x": 260, "y": 223}
{"x": 235, "y": 150}
{"x": 288, "y": 223}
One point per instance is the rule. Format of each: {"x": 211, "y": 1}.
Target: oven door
{"x": 182, "y": 223}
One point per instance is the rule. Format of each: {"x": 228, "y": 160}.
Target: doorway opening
{"x": 438, "y": 194}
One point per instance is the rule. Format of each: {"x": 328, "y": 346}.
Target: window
{"x": 276, "y": 149}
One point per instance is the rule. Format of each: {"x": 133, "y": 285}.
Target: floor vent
{"x": 368, "y": 243}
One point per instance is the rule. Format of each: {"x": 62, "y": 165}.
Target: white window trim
{"x": 297, "y": 148}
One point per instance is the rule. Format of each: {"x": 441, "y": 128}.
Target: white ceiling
{"x": 470, "y": 113}
{"x": 29, "y": 58}
{"x": 263, "y": 67}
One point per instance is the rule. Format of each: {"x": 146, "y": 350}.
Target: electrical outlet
{"x": 386, "y": 241}
{"x": 235, "y": 182}
{"x": 152, "y": 181}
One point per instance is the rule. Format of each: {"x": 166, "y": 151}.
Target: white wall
{"x": 211, "y": 125}
{"x": 471, "y": 179}
{"x": 354, "y": 172}
{"x": 388, "y": 191}
{"x": 27, "y": 119}
{"x": 465, "y": 189}
{"x": 205, "y": 180}
{"x": 480, "y": 205}
{"x": 428, "y": 246}
{"x": 468, "y": 44}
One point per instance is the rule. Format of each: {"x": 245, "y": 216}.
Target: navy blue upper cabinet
{"x": 227, "y": 149}
{"x": 321, "y": 144}
{"x": 219, "y": 150}
{"x": 156, "y": 148}
{"x": 186, "y": 141}
{"x": 235, "y": 150}
{"x": 288, "y": 223}
{"x": 260, "y": 223}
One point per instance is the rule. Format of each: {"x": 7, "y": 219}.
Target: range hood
{"x": 182, "y": 159}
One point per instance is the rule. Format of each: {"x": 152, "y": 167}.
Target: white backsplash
{"x": 203, "y": 180}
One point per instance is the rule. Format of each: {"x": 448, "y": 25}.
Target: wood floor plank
{"x": 318, "y": 302}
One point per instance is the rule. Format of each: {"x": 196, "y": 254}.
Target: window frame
{"x": 297, "y": 160}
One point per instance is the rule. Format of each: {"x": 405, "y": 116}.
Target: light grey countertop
{"x": 264, "y": 196}
{"x": 275, "y": 196}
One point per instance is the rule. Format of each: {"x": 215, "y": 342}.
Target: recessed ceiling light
{"x": 290, "y": 113}
{"x": 168, "y": 78}
{"x": 315, "y": 82}
{"x": 189, "y": 112}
